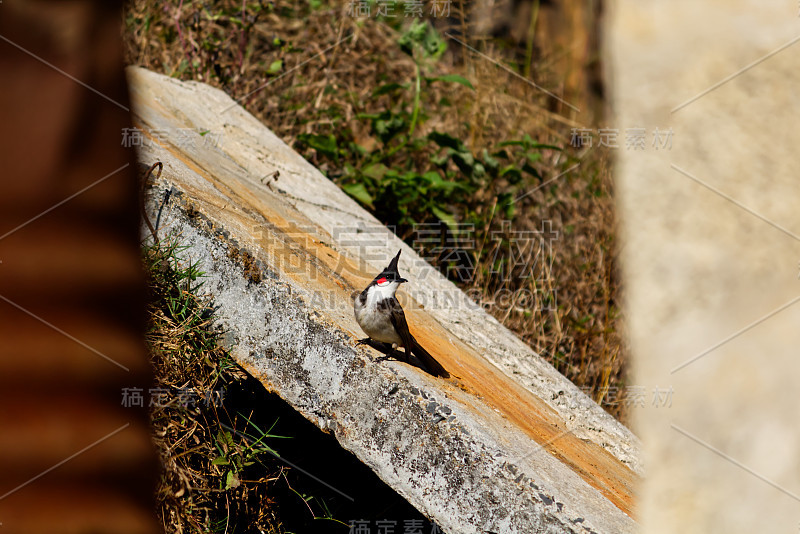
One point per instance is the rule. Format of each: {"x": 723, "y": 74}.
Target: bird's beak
{"x": 401, "y": 280}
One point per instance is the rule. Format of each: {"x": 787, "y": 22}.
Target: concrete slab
{"x": 506, "y": 445}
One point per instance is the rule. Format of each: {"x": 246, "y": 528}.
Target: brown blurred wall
{"x": 72, "y": 458}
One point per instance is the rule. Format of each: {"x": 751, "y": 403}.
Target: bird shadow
{"x": 390, "y": 353}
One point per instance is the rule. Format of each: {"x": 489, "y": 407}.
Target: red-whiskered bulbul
{"x": 381, "y": 317}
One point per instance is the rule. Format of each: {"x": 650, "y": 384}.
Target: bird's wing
{"x": 429, "y": 363}
{"x": 398, "y": 318}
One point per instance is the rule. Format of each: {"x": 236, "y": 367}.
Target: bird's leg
{"x": 380, "y": 346}
{"x": 394, "y": 353}
{"x": 377, "y": 345}
{"x": 403, "y": 357}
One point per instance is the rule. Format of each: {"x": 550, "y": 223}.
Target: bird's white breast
{"x": 376, "y": 322}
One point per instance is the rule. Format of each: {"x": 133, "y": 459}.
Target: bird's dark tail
{"x": 429, "y": 363}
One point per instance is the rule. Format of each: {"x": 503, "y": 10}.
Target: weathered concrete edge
{"x": 462, "y": 479}
{"x": 260, "y": 152}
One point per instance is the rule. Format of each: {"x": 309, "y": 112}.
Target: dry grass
{"x": 190, "y": 416}
{"x": 234, "y": 45}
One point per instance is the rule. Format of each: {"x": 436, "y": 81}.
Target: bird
{"x": 381, "y": 317}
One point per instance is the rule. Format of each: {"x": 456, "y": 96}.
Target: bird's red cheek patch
{"x": 381, "y": 281}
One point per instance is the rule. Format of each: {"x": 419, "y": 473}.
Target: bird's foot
{"x": 380, "y": 346}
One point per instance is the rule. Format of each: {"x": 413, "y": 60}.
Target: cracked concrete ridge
{"x": 506, "y": 445}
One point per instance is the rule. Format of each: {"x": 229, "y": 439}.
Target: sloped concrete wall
{"x": 711, "y": 248}
{"x": 506, "y": 445}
